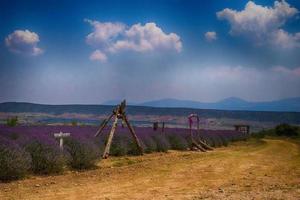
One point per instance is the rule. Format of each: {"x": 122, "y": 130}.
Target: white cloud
{"x": 148, "y": 37}
{"x": 24, "y": 42}
{"x": 287, "y": 71}
{"x": 98, "y": 56}
{"x": 116, "y": 37}
{"x": 103, "y": 33}
{"x": 210, "y": 36}
{"x": 262, "y": 24}
{"x": 285, "y": 39}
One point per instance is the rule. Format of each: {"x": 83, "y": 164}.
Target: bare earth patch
{"x": 245, "y": 170}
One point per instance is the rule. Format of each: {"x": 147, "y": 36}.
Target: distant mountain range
{"x": 262, "y": 116}
{"x": 232, "y": 103}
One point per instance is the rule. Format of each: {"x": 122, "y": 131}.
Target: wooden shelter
{"x": 242, "y": 128}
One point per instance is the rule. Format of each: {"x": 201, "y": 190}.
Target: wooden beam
{"x": 103, "y": 124}
{"x": 198, "y": 146}
{"x": 202, "y": 142}
{"x": 110, "y": 137}
{"x": 206, "y": 146}
{"x": 137, "y": 142}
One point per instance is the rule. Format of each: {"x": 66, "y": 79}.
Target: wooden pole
{"x": 163, "y": 127}
{"x": 198, "y": 123}
{"x": 155, "y": 126}
{"x": 110, "y": 137}
{"x": 104, "y": 123}
{"x": 137, "y": 142}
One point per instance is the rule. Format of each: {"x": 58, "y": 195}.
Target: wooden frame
{"x": 202, "y": 146}
{"x": 118, "y": 113}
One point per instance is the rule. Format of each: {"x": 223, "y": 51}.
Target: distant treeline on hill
{"x": 279, "y": 117}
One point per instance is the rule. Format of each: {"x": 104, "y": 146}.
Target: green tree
{"x": 12, "y": 121}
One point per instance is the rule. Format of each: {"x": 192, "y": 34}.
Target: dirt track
{"x": 246, "y": 170}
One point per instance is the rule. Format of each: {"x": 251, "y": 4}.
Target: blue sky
{"x": 62, "y": 52}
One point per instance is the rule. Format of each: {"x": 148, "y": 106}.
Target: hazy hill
{"x": 232, "y": 103}
{"x": 279, "y": 117}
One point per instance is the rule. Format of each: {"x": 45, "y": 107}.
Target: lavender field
{"x": 45, "y": 134}
{"x": 34, "y": 149}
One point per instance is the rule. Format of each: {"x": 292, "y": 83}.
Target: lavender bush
{"x": 177, "y": 142}
{"x": 46, "y": 158}
{"x": 83, "y": 154}
{"x": 149, "y": 145}
{"x": 120, "y": 145}
{"x": 83, "y": 150}
{"x": 133, "y": 148}
{"x": 162, "y": 144}
{"x": 14, "y": 161}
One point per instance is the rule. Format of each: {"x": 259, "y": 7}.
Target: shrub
{"x": 46, "y": 158}
{"x": 14, "y": 136}
{"x": 149, "y": 144}
{"x": 259, "y": 135}
{"x": 162, "y": 144}
{"x": 286, "y": 130}
{"x": 119, "y": 146}
{"x": 14, "y": 161}
{"x": 83, "y": 153}
{"x": 12, "y": 121}
{"x": 279, "y": 130}
{"x": 216, "y": 141}
{"x": 74, "y": 123}
{"x": 133, "y": 148}
{"x": 224, "y": 140}
{"x": 177, "y": 142}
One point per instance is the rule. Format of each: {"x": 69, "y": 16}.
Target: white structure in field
{"x": 61, "y": 137}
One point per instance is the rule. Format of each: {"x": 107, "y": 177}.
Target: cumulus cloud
{"x": 262, "y": 24}
{"x": 210, "y": 36}
{"x": 148, "y": 37}
{"x": 116, "y": 37}
{"x": 286, "y": 40}
{"x": 103, "y": 33}
{"x": 23, "y": 41}
{"x": 98, "y": 56}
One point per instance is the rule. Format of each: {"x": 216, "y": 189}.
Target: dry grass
{"x": 246, "y": 170}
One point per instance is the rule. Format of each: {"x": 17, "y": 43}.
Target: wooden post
{"x": 155, "y": 126}
{"x": 191, "y": 132}
{"x": 103, "y": 124}
{"x": 110, "y": 137}
{"x": 137, "y": 142}
{"x": 61, "y": 137}
{"x": 198, "y": 123}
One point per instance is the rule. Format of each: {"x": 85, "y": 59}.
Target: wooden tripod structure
{"x": 118, "y": 113}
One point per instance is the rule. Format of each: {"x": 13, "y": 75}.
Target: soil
{"x": 255, "y": 169}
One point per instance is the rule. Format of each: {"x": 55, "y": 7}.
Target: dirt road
{"x": 269, "y": 169}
